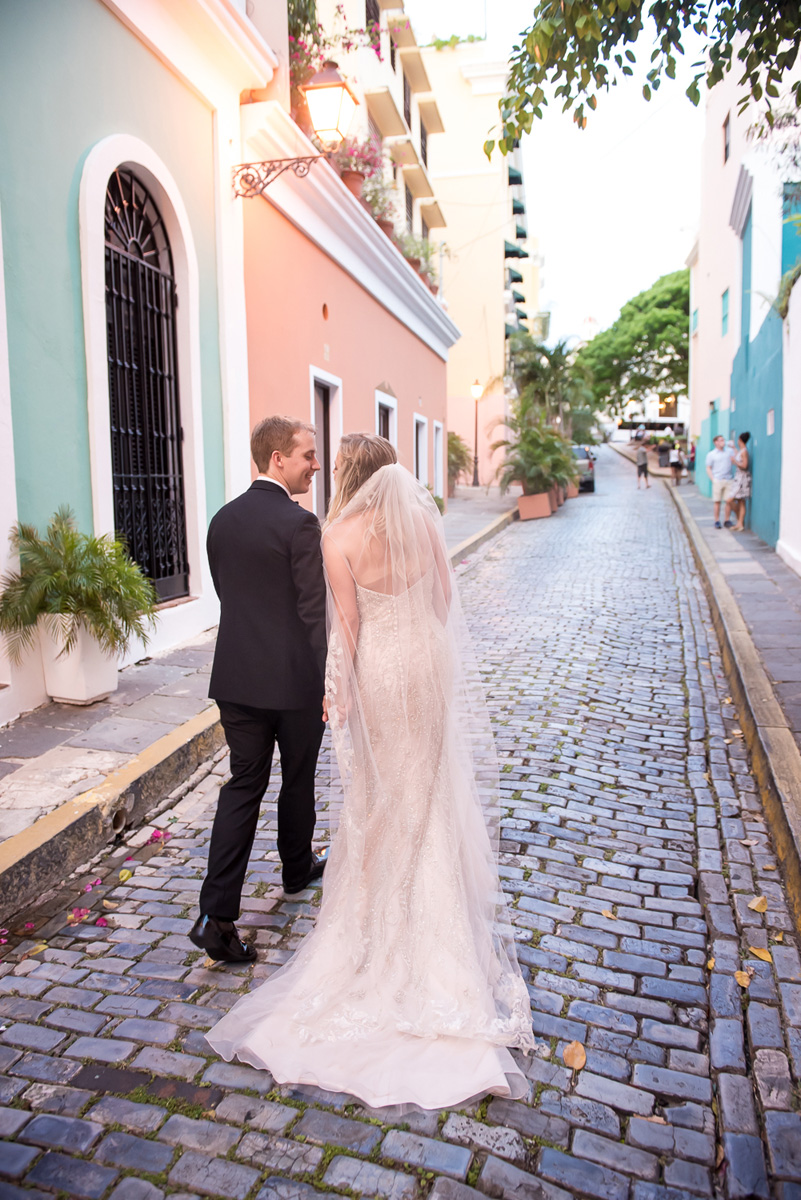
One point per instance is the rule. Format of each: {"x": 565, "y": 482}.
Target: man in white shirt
{"x": 719, "y": 470}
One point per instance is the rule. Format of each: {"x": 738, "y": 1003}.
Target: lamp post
{"x": 331, "y": 105}
{"x": 476, "y": 391}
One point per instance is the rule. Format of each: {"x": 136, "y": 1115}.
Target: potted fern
{"x": 536, "y": 457}
{"x": 86, "y": 599}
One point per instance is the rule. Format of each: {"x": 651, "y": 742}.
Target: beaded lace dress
{"x": 408, "y": 989}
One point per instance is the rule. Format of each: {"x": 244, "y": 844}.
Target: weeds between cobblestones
{"x": 633, "y": 844}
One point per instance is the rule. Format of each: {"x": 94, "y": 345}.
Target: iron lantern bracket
{"x": 252, "y": 179}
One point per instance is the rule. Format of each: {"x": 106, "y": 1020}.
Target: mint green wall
{"x": 71, "y": 74}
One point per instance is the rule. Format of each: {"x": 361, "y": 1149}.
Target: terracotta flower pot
{"x": 531, "y": 507}
{"x": 414, "y": 263}
{"x": 552, "y": 497}
{"x": 572, "y": 491}
{"x": 386, "y": 227}
{"x": 354, "y": 182}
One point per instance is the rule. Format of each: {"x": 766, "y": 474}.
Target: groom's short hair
{"x": 275, "y": 433}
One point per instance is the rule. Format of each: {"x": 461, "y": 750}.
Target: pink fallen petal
{"x": 30, "y": 924}
{"x": 101, "y": 921}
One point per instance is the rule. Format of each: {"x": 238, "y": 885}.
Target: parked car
{"x": 585, "y": 461}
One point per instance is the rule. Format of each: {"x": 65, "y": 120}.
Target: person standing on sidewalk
{"x": 676, "y": 463}
{"x": 642, "y": 465}
{"x": 741, "y": 488}
{"x": 268, "y": 675}
{"x": 718, "y": 468}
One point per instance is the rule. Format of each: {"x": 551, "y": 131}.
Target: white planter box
{"x": 80, "y": 677}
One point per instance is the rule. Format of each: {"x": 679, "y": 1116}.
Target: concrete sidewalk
{"x": 72, "y": 777}
{"x": 768, "y": 594}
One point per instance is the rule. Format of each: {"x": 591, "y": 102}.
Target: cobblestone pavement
{"x": 636, "y": 858}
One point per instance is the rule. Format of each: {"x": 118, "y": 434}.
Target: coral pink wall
{"x": 288, "y": 280}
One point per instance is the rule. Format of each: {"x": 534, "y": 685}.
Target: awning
{"x": 520, "y": 233}
{"x": 430, "y": 116}
{"x": 432, "y": 215}
{"x": 515, "y": 177}
{"x": 412, "y": 63}
{"x": 512, "y": 251}
{"x": 518, "y": 208}
{"x": 384, "y": 111}
{"x": 521, "y": 315}
{"x": 518, "y": 297}
{"x": 515, "y": 276}
{"x": 510, "y": 331}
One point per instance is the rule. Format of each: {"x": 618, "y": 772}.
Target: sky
{"x": 615, "y": 205}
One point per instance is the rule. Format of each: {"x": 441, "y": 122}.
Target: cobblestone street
{"x": 651, "y": 917}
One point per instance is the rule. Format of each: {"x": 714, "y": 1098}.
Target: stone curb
{"x": 775, "y": 757}
{"x": 471, "y": 544}
{"x": 43, "y": 855}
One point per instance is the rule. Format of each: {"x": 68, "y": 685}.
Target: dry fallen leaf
{"x": 575, "y": 1056}
{"x": 111, "y": 904}
{"x": 706, "y": 776}
{"x": 607, "y": 912}
{"x": 749, "y": 841}
{"x": 727, "y": 700}
{"x": 743, "y": 978}
{"x": 779, "y": 937}
{"x": 769, "y": 867}
{"x": 727, "y": 741}
{"x": 738, "y": 733}
{"x": 710, "y": 966}
{"x": 758, "y": 904}
{"x": 656, "y": 1120}
{"x": 758, "y": 952}
{"x": 125, "y": 875}
{"x": 719, "y": 1156}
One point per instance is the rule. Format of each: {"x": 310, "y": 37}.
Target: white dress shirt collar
{"x": 277, "y": 482}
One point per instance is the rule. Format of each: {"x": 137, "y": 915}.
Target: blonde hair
{"x": 361, "y": 455}
{"x": 275, "y": 433}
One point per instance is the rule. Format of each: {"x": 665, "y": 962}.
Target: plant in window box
{"x": 419, "y": 253}
{"x": 380, "y": 198}
{"x": 86, "y": 599}
{"x": 356, "y": 161}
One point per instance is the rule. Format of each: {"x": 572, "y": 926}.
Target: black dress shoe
{"x": 318, "y": 866}
{"x": 221, "y": 941}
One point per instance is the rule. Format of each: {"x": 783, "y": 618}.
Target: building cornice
{"x": 323, "y": 209}
{"x": 203, "y": 41}
{"x": 485, "y": 78}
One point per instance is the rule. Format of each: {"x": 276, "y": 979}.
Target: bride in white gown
{"x": 408, "y": 989}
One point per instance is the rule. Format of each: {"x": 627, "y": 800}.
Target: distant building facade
{"x": 744, "y": 356}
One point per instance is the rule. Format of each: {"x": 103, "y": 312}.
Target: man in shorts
{"x": 719, "y": 468}
{"x": 642, "y": 465}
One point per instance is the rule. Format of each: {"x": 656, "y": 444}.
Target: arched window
{"x": 146, "y": 433}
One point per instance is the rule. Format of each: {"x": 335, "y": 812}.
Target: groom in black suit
{"x": 268, "y": 674}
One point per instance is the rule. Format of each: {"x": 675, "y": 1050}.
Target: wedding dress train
{"x": 408, "y": 989}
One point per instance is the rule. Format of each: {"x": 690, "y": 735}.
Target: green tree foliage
{"x": 460, "y": 457}
{"x": 646, "y": 351}
{"x": 557, "y": 382}
{"x": 579, "y": 49}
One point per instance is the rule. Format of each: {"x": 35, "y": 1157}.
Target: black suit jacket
{"x": 267, "y": 567}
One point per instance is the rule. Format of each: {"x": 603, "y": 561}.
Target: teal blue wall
{"x": 71, "y": 74}
{"x": 717, "y": 422}
{"x": 756, "y": 386}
